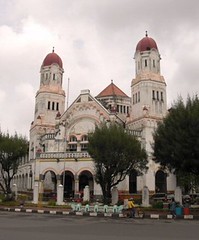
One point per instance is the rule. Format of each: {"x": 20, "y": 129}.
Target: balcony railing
{"x": 58, "y": 155}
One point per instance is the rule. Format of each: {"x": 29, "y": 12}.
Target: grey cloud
{"x": 96, "y": 41}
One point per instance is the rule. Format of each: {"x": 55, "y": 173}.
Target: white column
{"x": 76, "y": 184}
{"x": 114, "y": 194}
{"x": 178, "y": 195}
{"x": 60, "y": 195}
{"x": 86, "y": 196}
{"x": 36, "y": 193}
{"x": 145, "y": 197}
{"x": 15, "y": 190}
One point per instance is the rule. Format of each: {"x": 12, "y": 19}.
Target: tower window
{"x": 124, "y": 109}
{"x": 53, "y": 106}
{"x": 145, "y": 63}
{"x": 121, "y": 109}
{"x": 48, "y": 105}
{"x": 57, "y": 107}
{"x": 157, "y": 95}
{"x": 133, "y": 99}
{"x": 138, "y": 96}
{"x": 153, "y": 95}
{"x": 53, "y": 76}
{"x": 162, "y": 97}
{"x": 153, "y": 63}
{"x": 46, "y": 76}
{"x": 127, "y": 109}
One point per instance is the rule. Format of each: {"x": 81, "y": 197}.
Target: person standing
{"x": 173, "y": 208}
{"x": 131, "y": 207}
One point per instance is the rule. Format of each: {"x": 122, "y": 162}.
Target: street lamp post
{"x": 64, "y": 179}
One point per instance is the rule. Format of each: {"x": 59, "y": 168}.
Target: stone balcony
{"x": 62, "y": 155}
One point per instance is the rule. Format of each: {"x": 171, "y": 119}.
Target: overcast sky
{"x": 96, "y": 40}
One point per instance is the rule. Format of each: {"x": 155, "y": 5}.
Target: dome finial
{"x": 146, "y": 34}
{"x": 53, "y": 49}
{"x": 111, "y": 81}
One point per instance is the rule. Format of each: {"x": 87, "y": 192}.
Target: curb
{"x": 95, "y": 214}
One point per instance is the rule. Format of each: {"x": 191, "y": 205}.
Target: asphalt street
{"x": 19, "y": 226}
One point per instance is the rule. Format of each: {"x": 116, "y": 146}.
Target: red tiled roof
{"x": 112, "y": 90}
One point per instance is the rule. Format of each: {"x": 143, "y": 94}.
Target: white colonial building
{"x": 58, "y": 136}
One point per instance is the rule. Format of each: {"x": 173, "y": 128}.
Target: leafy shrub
{"x": 22, "y": 197}
{"x": 10, "y": 203}
{"x": 157, "y": 205}
{"x": 2, "y": 197}
{"x": 51, "y": 202}
{"x": 137, "y": 201}
{"x": 120, "y": 202}
{"x": 84, "y": 203}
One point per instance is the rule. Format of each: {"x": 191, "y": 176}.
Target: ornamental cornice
{"x": 148, "y": 77}
{"x": 52, "y": 89}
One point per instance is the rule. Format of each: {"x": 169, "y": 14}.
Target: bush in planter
{"x": 2, "y": 197}
{"x": 157, "y": 205}
{"x": 10, "y": 203}
{"x": 84, "y": 203}
{"x": 120, "y": 202}
{"x": 52, "y": 203}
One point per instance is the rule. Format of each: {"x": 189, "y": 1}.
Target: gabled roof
{"x": 111, "y": 90}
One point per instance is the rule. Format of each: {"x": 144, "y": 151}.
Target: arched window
{"x": 84, "y": 138}
{"x": 153, "y": 63}
{"x": 84, "y": 143}
{"x": 86, "y": 179}
{"x": 133, "y": 181}
{"x": 72, "y": 144}
{"x": 161, "y": 182}
{"x": 73, "y": 138}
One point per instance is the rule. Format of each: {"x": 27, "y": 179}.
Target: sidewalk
{"x": 54, "y": 211}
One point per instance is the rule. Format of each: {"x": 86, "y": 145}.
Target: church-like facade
{"x": 59, "y": 136}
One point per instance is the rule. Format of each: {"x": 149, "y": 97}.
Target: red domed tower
{"x": 52, "y": 70}
{"x": 147, "y": 57}
{"x": 148, "y": 88}
{"x": 148, "y": 104}
{"x": 146, "y": 44}
{"x": 50, "y": 98}
{"x": 52, "y": 58}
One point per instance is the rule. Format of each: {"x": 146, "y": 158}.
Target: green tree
{"x": 189, "y": 182}
{"x": 115, "y": 153}
{"x": 12, "y": 149}
{"x": 176, "y": 139}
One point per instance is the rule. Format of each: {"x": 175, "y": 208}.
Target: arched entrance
{"x": 160, "y": 182}
{"x": 86, "y": 179}
{"x": 67, "y": 180}
{"x": 49, "y": 186}
{"x": 133, "y": 181}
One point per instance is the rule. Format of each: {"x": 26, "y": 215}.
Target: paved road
{"x": 21, "y": 226}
